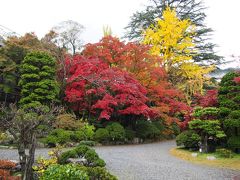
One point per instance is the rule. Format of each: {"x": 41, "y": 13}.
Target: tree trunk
{"x": 205, "y": 144}
{"x": 28, "y": 174}
{"x": 22, "y": 156}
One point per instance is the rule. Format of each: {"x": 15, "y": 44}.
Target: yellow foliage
{"x": 43, "y": 164}
{"x": 171, "y": 39}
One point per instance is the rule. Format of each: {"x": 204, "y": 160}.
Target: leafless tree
{"x": 69, "y": 35}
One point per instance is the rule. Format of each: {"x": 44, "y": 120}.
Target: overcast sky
{"x": 40, "y": 16}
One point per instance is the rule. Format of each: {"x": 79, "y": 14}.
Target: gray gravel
{"x": 147, "y": 162}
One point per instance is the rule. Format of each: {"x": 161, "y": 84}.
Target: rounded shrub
{"x": 57, "y": 136}
{"x": 66, "y": 122}
{"x": 116, "y": 132}
{"x": 82, "y": 151}
{"x": 102, "y": 135}
{"x": 188, "y": 139}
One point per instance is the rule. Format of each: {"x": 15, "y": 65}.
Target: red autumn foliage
{"x": 6, "y": 164}
{"x": 5, "y": 167}
{"x": 207, "y": 100}
{"x": 95, "y": 87}
{"x": 237, "y": 80}
{"x": 134, "y": 58}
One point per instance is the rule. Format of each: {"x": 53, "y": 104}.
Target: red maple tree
{"x": 94, "y": 87}
{"x": 135, "y": 59}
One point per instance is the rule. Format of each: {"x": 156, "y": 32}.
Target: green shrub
{"x": 130, "y": 134}
{"x": 77, "y": 136}
{"x": 225, "y": 153}
{"x": 234, "y": 142}
{"x": 64, "y": 172}
{"x": 116, "y": 132}
{"x": 93, "y": 159}
{"x": 57, "y": 136}
{"x": 84, "y": 133}
{"x": 147, "y": 130}
{"x": 102, "y": 135}
{"x": 88, "y": 131}
{"x": 82, "y": 151}
{"x": 188, "y": 139}
{"x": 50, "y": 141}
{"x": 87, "y": 143}
{"x": 97, "y": 173}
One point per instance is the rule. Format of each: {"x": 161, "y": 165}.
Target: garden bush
{"x": 147, "y": 130}
{"x": 66, "y": 122}
{"x": 102, "y": 135}
{"x": 83, "y": 151}
{"x": 85, "y": 133}
{"x": 116, "y": 132}
{"x": 57, "y": 136}
{"x": 188, "y": 139}
{"x": 130, "y": 134}
{"x": 77, "y": 136}
{"x": 64, "y": 172}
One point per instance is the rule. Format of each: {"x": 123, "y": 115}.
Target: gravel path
{"x": 148, "y": 162}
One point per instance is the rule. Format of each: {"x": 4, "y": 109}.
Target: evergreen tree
{"x": 229, "y": 102}
{"x": 37, "y": 80}
{"x": 186, "y": 9}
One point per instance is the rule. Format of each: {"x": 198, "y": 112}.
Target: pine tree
{"x": 37, "y": 80}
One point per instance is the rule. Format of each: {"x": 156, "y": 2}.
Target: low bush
{"x": 116, "y": 132}
{"x": 102, "y": 135}
{"x": 57, "y": 136}
{"x": 147, "y": 130}
{"x": 188, "y": 139}
{"x": 85, "y": 133}
{"x": 83, "y": 151}
{"x": 62, "y": 172}
{"x": 77, "y": 136}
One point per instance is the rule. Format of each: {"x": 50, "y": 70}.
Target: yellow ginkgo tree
{"x": 171, "y": 39}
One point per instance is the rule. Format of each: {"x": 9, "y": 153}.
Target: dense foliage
{"x": 135, "y": 58}
{"x": 229, "y": 105}
{"x": 37, "y": 80}
{"x": 171, "y": 39}
{"x": 95, "y": 88}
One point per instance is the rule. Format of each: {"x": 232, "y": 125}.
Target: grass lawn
{"x": 230, "y": 163}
